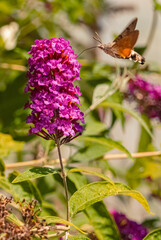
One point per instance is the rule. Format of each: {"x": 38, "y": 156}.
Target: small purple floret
{"x": 54, "y": 100}
{"x": 146, "y": 95}
{"x": 129, "y": 230}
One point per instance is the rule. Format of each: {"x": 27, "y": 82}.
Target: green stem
{"x": 64, "y": 178}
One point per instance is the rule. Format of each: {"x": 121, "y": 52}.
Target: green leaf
{"x": 154, "y": 235}
{"x": 34, "y": 173}
{"x": 93, "y": 151}
{"x": 97, "y": 191}
{"x": 47, "y": 209}
{"x": 4, "y": 184}
{"x": 46, "y": 184}
{"x": 7, "y": 144}
{"x": 117, "y": 98}
{"x": 12, "y": 218}
{"x": 86, "y": 170}
{"x": 2, "y": 167}
{"x": 54, "y": 219}
{"x": 151, "y": 169}
{"x": 145, "y": 139}
{"x": 142, "y": 168}
{"x": 24, "y": 190}
{"x": 106, "y": 142}
{"x": 6, "y": 7}
{"x": 78, "y": 237}
{"x": 78, "y": 179}
{"x": 100, "y": 219}
{"x": 157, "y": 5}
{"x": 93, "y": 127}
{"x": 129, "y": 111}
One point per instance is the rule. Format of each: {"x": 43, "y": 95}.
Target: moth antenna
{"x": 97, "y": 38}
{"x": 86, "y": 50}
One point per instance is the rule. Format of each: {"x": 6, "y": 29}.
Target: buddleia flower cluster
{"x": 129, "y": 230}
{"x": 54, "y": 100}
{"x": 146, "y": 95}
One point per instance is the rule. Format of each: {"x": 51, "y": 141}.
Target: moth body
{"x": 136, "y": 57}
{"x": 108, "y": 49}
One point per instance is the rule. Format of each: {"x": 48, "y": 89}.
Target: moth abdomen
{"x": 136, "y": 57}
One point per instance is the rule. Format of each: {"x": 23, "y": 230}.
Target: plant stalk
{"x": 63, "y": 177}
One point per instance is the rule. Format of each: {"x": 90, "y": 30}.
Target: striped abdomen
{"x": 136, "y": 57}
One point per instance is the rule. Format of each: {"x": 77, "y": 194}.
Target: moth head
{"x": 101, "y": 46}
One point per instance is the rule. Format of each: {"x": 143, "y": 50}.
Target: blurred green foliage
{"x": 21, "y": 23}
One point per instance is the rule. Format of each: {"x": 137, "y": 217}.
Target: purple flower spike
{"x": 146, "y": 95}
{"x": 54, "y": 100}
{"x": 129, "y": 230}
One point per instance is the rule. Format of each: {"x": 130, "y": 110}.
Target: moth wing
{"x": 130, "y": 28}
{"x": 123, "y": 47}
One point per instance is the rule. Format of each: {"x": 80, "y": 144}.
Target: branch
{"x": 134, "y": 155}
{"x": 13, "y": 67}
{"x": 36, "y": 162}
{"x": 41, "y": 161}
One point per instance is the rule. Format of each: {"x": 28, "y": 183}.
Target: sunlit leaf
{"x": 90, "y": 152}
{"x": 151, "y": 169}
{"x": 4, "y": 184}
{"x": 78, "y": 237}
{"x": 2, "y": 167}
{"x": 7, "y": 144}
{"x": 34, "y": 173}
{"x": 97, "y": 191}
{"x": 78, "y": 179}
{"x": 47, "y": 209}
{"x": 157, "y": 5}
{"x": 106, "y": 142}
{"x": 145, "y": 138}
{"x": 154, "y": 235}
{"x": 129, "y": 111}
{"x": 144, "y": 167}
{"x": 54, "y": 219}
{"x": 93, "y": 127}
{"x": 6, "y": 7}
{"x": 100, "y": 219}
{"x": 25, "y": 190}
{"x": 86, "y": 170}
{"x": 12, "y": 218}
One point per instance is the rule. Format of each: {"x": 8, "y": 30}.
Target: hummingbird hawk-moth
{"x": 122, "y": 46}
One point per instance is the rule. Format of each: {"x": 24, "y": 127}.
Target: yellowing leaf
{"x": 7, "y": 144}
{"x": 154, "y": 235}
{"x": 12, "y": 218}
{"x": 78, "y": 237}
{"x": 151, "y": 169}
{"x": 97, "y": 191}
{"x": 54, "y": 219}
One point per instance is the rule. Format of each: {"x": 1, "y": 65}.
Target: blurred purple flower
{"x": 54, "y": 100}
{"x": 146, "y": 95}
{"x": 129, "y": 230}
